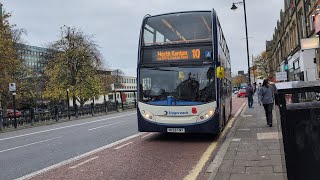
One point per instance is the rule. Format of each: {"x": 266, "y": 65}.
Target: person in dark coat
{"x": 266, "y": 97}
{"x": 249, "y": 92}
{"x": 56, "y": 112}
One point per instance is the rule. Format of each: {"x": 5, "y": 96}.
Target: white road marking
{"x": 29, "y": 176}
{"x": 119, "y": 147}
{"x": 236, "y": 139}
{"x": 105, "y": 125}
{"x": 64, "y": 127}
{"x": 84, "y": 162}
{"x": 248, "y": 115}
{"x": 29, "y": 144}
{"x": 146, "y": 135}
{"x": 243, "y": 129}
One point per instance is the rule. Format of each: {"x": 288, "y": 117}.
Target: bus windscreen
{"x": 178, "y": 28}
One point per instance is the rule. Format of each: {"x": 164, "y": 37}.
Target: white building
{"x": 302, "y": 66}
{"x": 128, "y": 83}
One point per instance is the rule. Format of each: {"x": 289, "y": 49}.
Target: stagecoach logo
{"x": 174, "y": 113}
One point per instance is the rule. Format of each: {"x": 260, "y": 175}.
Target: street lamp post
{"x": 14, "y": 110}
{"x": 68, "y": 103}
{"x": 234, "y": 7}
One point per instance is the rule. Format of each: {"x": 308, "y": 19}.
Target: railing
{"x": 32, "y": 117}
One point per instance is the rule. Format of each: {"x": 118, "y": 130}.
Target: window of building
{"x": 311, "y": 23}
{"x": 296, "y": 64}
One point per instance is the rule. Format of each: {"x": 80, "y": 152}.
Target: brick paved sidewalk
{"x": 251, "y": 150}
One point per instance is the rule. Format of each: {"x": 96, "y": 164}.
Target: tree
{"x": 117, "y": 76}
{"x": 11, "y": 68}
{"x": 73, "y": 66}
{"x": 236, "y": 81}
{"x": 262, "y": 65}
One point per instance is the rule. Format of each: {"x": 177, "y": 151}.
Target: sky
{"x": 115, "y": 24}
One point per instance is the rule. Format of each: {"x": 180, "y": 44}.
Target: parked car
{"x": 242, "y": 93}
{"x": 10, "y": 113}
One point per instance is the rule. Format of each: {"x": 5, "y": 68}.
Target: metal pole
{"x": 1, "y": 121}
{"x": 68, "y": 104}
{"x": 14, "y": 110}
{"x": 254, "y": 77}
{"x": 248, "y": 58}
{"x": 135, "y": 100}
{"x": 93, "y": 106}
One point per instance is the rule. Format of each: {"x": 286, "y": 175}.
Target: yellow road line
{"x": 206, "y": 155}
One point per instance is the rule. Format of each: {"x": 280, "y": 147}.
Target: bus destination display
{"x": 175, "y": 55}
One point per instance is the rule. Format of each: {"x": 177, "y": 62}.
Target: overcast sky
{"x": 115, "y": 24}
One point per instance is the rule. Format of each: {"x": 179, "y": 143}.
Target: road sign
{"x": 12, "y": 87}
{"x": 281, "y": 76}
{"x": 208, "y": 54}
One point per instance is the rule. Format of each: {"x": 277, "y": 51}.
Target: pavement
{"x": 251, "y": 150}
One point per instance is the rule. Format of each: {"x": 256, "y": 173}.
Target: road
{"x": 114, "y": 150}
{"x": 29, "y": 150}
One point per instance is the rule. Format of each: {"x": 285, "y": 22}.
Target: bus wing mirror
{"x": 220, "y": 72}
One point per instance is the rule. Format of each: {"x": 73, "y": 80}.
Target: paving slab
{"x": 253, "y": 152}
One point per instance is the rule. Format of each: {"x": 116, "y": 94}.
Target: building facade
{"x": 128, "y": 83}
{"x": 127, "y": 89}
{"x": 284, "y": 52}
{"x": 34, "y": 57}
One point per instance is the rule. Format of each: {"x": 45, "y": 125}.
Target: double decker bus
{"x": 183, "y": 74}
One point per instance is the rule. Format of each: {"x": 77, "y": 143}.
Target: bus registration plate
{"x": 176, "y": 130}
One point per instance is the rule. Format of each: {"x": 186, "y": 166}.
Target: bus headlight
{"x": 147, "y": 114}
{"x": 210, "y": 112}
{"x": 206, "y": 115}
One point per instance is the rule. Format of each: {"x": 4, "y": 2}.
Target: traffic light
{"x": 285, "y": 67}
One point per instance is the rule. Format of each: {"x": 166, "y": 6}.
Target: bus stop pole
{"x": 14, "y": 110}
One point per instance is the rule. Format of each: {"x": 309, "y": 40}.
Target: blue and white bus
{"x": 184, "y": 74}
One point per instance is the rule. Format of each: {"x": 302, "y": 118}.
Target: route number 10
{"x": 196, "y": 53}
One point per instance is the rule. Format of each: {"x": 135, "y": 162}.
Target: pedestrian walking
{"x": 249, "y": 92}
{"x": 56, "y": 112}
{"x": 76, "y": 110}
{"x": 266, "y": 96}
{"x": 259, "y": 87}
{"x": 92, "y": 109}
